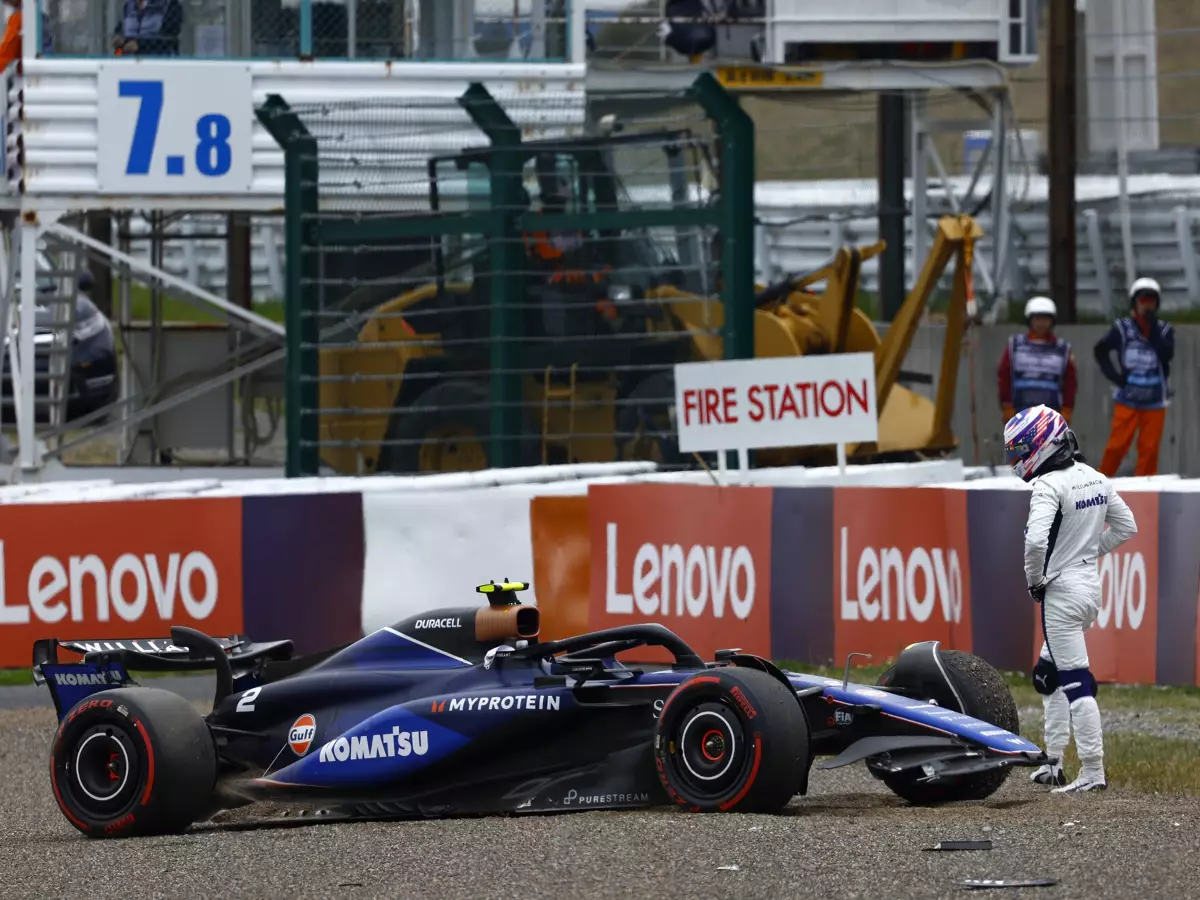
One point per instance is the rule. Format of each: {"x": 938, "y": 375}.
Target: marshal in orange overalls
{"x": 1144, "y": 347}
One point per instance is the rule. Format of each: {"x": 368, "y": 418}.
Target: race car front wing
{"x": 938, "y": 757}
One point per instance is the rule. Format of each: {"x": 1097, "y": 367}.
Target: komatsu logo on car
{"x": 508, "y": 701}
{"x": 88, "y": 678}
{"x": 376, "y": 746}
{"x": 437, "y": 623}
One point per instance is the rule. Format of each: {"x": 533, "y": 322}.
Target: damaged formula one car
{"x": 464, "y": 711}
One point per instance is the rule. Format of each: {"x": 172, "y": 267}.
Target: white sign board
{"x": 788, "y": 401}
{"x": 174, "y": 128}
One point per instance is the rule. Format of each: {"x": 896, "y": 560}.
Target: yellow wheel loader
{"x": 608, "y": 316}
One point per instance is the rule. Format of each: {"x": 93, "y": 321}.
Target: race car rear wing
{"x": 106, "y": 663}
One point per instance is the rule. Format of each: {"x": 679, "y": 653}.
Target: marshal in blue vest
{"x": 1147, "y": 379}
{"x": 1039, "y": 371}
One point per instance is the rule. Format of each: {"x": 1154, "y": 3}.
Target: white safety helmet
{"x": 1040, "y": 306}
{"x": 1144, "y": 286}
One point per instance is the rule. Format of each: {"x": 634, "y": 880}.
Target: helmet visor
{"x": 1016, "y": 451}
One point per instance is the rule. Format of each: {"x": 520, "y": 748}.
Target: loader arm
{"x": 953, "y": 235}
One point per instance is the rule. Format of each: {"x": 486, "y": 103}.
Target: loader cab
{"x": 575, "y": 177}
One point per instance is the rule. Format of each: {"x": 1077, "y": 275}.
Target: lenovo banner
{"x": 696, "y": 559}
{"x": 118, "y": 570}
{"x": 901, "y": 570}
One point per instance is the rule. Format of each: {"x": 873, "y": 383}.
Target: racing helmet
{"x": 1041, "y": 306}
{"x": 1144, "y": 287}
{"x": 1034, "y": 437}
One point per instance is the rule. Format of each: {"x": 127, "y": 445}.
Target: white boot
{"x": 1057, "y": 713}
{"x": 1089, "y": 741}
{"x": 1050, "y": 774}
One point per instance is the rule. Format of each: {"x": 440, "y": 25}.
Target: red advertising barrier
{"x": 813, "y": 574}
{"x": 901, "y": 570}
{"x": 562, "y": 564}
{"x": 118, "y": 570}
{"x": 1123, "y": 643}
{"x": 694, "y": 558}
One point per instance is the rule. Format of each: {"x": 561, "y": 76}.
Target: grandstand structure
{"x": 175, "y": 139}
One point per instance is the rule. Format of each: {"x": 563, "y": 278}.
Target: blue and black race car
{"x": 465, "y": 711}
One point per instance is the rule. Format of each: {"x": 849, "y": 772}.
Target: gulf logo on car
{"x": 300, "y": 738}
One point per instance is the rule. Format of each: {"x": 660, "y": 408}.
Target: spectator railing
{"x": 532, "y": 31}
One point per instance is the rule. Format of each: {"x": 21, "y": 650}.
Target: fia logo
{"x": 843, "y": 717}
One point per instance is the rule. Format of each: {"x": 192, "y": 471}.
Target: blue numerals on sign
{"x": 214, "y": 156}
{"x": 145, "y": 133}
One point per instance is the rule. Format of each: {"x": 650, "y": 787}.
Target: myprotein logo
{"x": 86, "y": 588}
{"x": 893, "y": 584}
{"x": 673, "y": 580}
{"x": 696, "y": 559}
{"x": 1123, "y": 593}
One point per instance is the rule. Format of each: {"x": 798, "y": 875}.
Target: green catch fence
{"x": 478, "y": 282}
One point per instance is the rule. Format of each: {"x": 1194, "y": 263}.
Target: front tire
{"x": 133, "y": 762}
{"x": 732, "y": 740}
{"x": 985, "y": 696}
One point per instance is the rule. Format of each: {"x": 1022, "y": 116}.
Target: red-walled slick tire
{"x": 732, "y": 740}
{"x": 133, "y": 762}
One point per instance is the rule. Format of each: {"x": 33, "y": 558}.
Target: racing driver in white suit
{"x": 1065, "y": 536}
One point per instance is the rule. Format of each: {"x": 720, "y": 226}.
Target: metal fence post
{"x": 737, "y": 212}
{"x": 301, "y": 171}
{"x": 506, "y": 260}
{"x": 306, "y": 29}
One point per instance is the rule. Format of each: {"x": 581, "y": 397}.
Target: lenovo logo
{"x": 1123, "y": 591}
{"x": 87, "y": 588}
{"x": 669, "y": 579}
{"x": 891, "y": 584}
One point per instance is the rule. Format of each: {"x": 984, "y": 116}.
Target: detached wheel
{"x": 985, "y": 696}
{"x": 732, "y": 740}
{"x": 133, "y": 762}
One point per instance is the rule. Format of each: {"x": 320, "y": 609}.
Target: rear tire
{"x": 732, "y": 740}
{"x": 133, "y": 762}
{"x": 986, "y": 696}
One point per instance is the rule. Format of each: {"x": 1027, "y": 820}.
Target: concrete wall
{"x": 1180, "y": 451}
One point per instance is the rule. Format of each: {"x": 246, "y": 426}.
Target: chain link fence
{"x": 420, "y": 30}
{"x": 480, "y": 284}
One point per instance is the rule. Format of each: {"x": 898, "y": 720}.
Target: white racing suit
{"x": 1064, "y": 537}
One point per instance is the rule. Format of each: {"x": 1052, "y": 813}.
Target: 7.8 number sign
{"x": 175, "y": 128}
